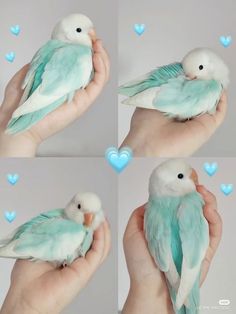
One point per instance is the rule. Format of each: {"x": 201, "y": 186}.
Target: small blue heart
{"x": 10, "y": 216}
{"x": 139, "y": 29}
{"x": 225, "y": 41}
{"x": 13, "y": 178}
{"x": 226, "y": 188}
{"x": 119, "y": 160}
{"x": 211, "y": 168}
{"x": 15, "y": 30}
{"x": 10, "y": 57}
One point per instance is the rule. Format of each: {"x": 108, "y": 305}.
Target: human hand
{"x": 26, "y": 143}
{"x": 148, "y": 287}
{"x": 153, "y": 134}
{"x": 41, "y": 288}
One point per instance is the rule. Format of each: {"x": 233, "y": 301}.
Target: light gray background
{"x": 172, "y": 29}
{"x": 97, "y": 128}
{"x": 45, "y": 184}
{"x": 133, "y": 192}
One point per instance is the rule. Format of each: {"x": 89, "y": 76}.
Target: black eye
{"x": 78, "y": 30}
{"x": 180, "y": 176}
{"x": 79, "y": 206}
{"x": 200, "y": 67}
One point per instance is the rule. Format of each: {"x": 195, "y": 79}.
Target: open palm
{"x": 153, "y": 134}
{"x": 42, "y": 288}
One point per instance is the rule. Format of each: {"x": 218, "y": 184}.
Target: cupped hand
{"x": 42, "y": 288}
{"x": 59, "y": 118}
{"x": 144, "y": 274}
{"x": 153, "y": 134}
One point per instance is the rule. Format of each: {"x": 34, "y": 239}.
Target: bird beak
{"x": 194, "y": 177}
{"x": 191, "y": 77}
{"x": 88, "y": 219}
{"x": 93, "y": 35}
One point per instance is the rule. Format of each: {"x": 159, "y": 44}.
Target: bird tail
{"x": 173, "y": 299}
{"x": 137, "y": 86}
{"x": 192, "y": 303}
{"x": 25, "y": 122}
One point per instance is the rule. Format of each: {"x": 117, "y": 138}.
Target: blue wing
{"x": 155, "y": 78}
{"x": 53, "y": 78}
{"x": 158, "y": 228}
{"x": 187, "y": 98}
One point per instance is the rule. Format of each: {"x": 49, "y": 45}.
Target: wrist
{"x": 141, "y": 143}
{"x": 147, "y": 298}
{"x": 22, "y": 145}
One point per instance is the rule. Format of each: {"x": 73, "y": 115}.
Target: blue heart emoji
{"x": 139, "y": 29}
{"x": 226, "y": 188}
{"x": 225, "y": 41}
{"x": 13, "y": 178}
{"x": 15, "y": 30}
{"x": 119, "y": 160}
{"x": 10, "y": 57}
{"x": 10, "y": 216}
{"x": 211, "y": 168}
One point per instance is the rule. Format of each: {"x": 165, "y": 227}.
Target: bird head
{"x": 75, "y": 28}
{"x": 173, "y": 178}
{"x": 86, "y": 209}
{"x": 203, "y": 63}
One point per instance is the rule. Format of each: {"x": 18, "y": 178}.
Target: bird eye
{"x": 79, "y": 206}
{"x": 78, "y": 30}
{"x": 180, "y": 176}
{"x": 200, "y": 67}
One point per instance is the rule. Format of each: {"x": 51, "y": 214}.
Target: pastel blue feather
{"x": 54, "y": 65}
{"x": 155, "y": 78}
{"x": 181, "y": 97}
{"x": 177, "y": 224}
{"x": 45, "y": 234}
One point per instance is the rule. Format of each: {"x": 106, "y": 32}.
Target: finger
{"x": 95, "y": 254}
{"x": 95, "y": 86}
{"x": 13, "y": 91}
{"x": 221, "y": 109}
{"x": 98, "y": 48}
{"x": 209, "y": 198}
{"x": 135, "y": 222}
{"x": 213, "y": 218}
{"x": 107, "y": 240}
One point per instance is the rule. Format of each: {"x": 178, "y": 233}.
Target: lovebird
{"x": 181, "y": 90}
{"x": 58, "y": 236}
{"x": 177, "y": 232}
{"x": 60, "y": 68}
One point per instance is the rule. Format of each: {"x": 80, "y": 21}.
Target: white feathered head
{"x": 203, "y": 63}
{"x": 75, "y": 28}
{"x": 86, "y": 209}
{"x": 173, "y": 177}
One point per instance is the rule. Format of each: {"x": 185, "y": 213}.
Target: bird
{"x": 57, "y": 236}
{"x": 60, "y": 67}
{"x": 177, "y": 232}
{"x": 181, "y": 90}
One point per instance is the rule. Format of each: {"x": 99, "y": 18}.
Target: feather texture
{"x": 169, "y": 228}
{"x": 48, "y": 237}
{"x": 56, "y": 72}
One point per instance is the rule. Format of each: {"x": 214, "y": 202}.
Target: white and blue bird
{"x": 60, "y": 68}
{"x": 58, "y": 236}
{"x": 177, "y": 231}
{"x": 181, "y": 90}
